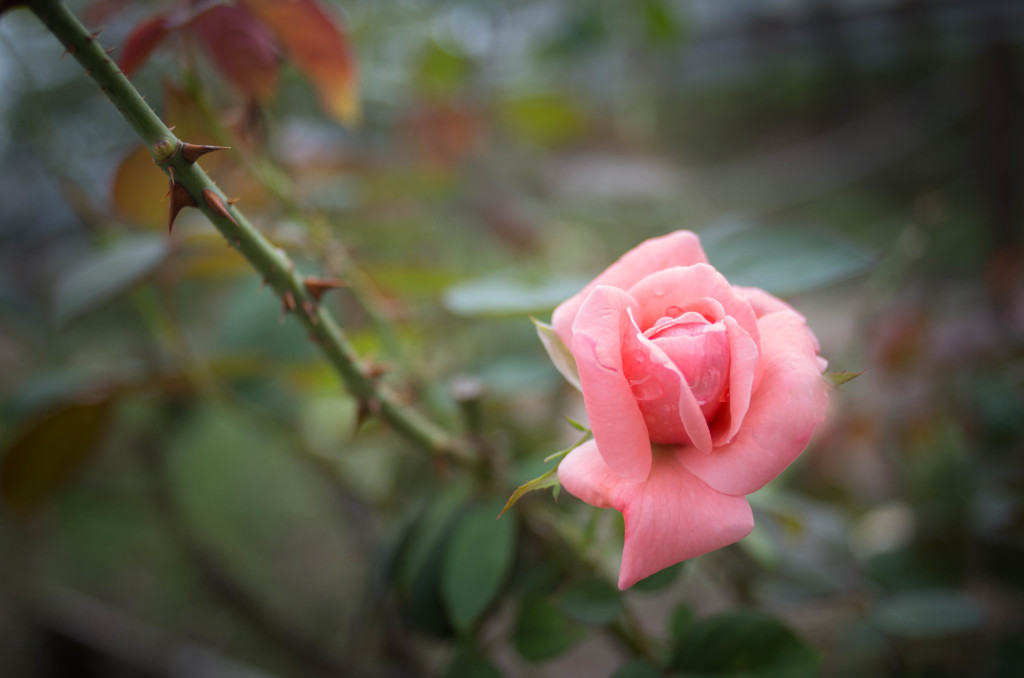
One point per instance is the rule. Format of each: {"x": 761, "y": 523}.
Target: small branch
{"x": 272, "y": 263}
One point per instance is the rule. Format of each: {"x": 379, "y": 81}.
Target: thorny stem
{"x": 273, "y": 264}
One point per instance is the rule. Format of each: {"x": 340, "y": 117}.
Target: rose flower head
{"x": 698, "y": 392}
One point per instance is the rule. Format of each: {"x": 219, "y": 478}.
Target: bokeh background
{"x": 186, "y": 491}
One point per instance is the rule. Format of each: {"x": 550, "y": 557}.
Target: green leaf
{"x": 49, "y": 450}
{"x": 441, "y": 71}
{"x": 420, "y": 561}
{"x": 783, "y": 260}
{"x": 547, "y": 479}
{"x": 840, "y": 378}
{"x": 468, "y": 663}
{"x": 681, "y": 619}
{"x": 545, "y": 119}
{"x": 477, "y": 560}
{"x": 104, "y": 275}
{"x": 742, "y": 644}
{"x": 638, "y": 668}
{"x": 561, "y": 356}
{"x": 660, "y": 579}
{"x": 543, "y": 631}
{"x": 508, "y": 294}
{"x": 591, "y": 601}
{"x": 928, "y": 614}
{"x": 572, "y": 422}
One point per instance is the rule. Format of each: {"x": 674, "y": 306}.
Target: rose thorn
{"x": 192, "y": 152}
{"x": 317, "y": 287}
{"x": 180, "y": 199}
{"x": 214, "y": 202}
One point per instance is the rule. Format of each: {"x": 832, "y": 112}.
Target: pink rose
{"x": 698, "y": 393}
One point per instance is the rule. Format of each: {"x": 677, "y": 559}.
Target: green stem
{"x": 273, "y": 264}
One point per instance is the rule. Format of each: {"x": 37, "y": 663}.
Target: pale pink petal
{"x": 762, "y": 302}
{"x": 670, "y": 411}
{"x": 671, "y": 517}
{"x": 744, "y": 375}
{"x": 784, "y": 411}
{"x": 701, "y": 352}
{"x": 674, "y": 517}
{"x": 681, "y": 248}
{"x": 585, "y": 476}
{"x": 674, "y": 291}
{"x": 615, "y": 419}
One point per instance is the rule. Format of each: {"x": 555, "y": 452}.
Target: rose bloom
{"x": 698, "y": 393}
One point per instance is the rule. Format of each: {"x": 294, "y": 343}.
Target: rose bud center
{"x": 699, "y": 349}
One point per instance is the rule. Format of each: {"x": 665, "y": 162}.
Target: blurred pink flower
{"x": 698, "y": 393}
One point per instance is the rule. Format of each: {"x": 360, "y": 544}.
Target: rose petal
{"x": 671, "y": 517}
{"x": 615, "y": 419}
{"x": 674, "y": 290}
{"x": 744, "y": 376}
{"x": 787, "y": 406}
{"x": 681, "y": 248}
{"x": 670, "y": 410}
{"x": 762, "y": 302}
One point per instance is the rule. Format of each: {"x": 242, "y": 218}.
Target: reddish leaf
{"x": 319, "y": 47}
{"x": 141, "y": 42}
{"x": 242, "y": 48}
{"x": 49, "y": 450}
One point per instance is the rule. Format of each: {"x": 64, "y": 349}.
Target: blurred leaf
{"x": 468, "y": 663}
{"x": 747, "y": 644}
{"x": 420, "y": 561}
{"x": 583, "y": 31}
{"x": 49, "y": 450}
{"x": 250, "y": 324}
{"x": 547, "y": 479}
{"x": 840, "y": 378}
{"x": 661, "y": 26}
{"x": 476, "y": 563}
{"x": 545, "y": 119}
{"x": 660, "y": 579}
{"x": 242, "y": 47}
{"x": 561, "y": 356}
{"x": 137, "y": 190}
{"x": 543, "y": 631}
{"x": 104, "y": 275}
{"x": 638, "y": 668}
{"x": 319, "y": 47}
{"x": 507, "y": 295}
{"x": 928, "y": 614}
{"x": 591, "y": 601}
{"x": 783, "y": 260}
{"x": 681, "y": 619}
{"x": 441, "y": 72}
{"x": 141, "y": 42}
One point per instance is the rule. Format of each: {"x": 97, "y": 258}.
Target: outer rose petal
{"x": 787, "y": 406}
{"x": 762, "y": 302}
{"x": 681, "y": 248}
{"x": 615, "y": 417}
{"x": 670, "y": 517}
